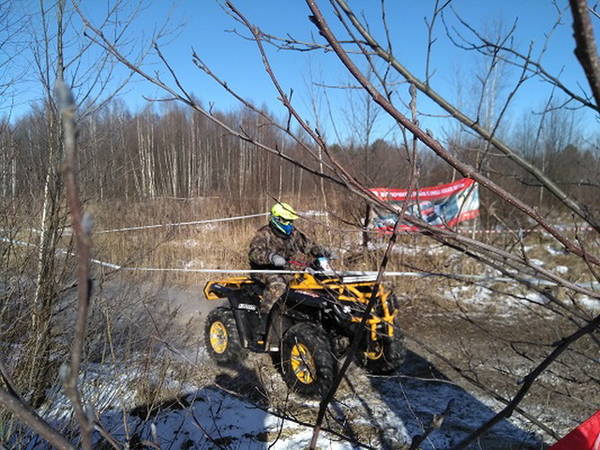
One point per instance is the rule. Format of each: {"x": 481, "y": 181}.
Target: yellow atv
{"x": 310, "y": 327}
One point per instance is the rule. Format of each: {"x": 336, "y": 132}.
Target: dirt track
{"x": 498, "y": 349}
{"x": 494, "y": 346}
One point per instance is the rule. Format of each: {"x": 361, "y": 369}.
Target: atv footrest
{"x": 257, "y": 347}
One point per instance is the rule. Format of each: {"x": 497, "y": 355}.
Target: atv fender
{"x": 245, "y": 313}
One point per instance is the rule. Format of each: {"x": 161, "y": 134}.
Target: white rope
{"x": 199, "y": 222}
{"x": 180, "y": 224}
{"x": 14, "y": 241}
{"x": 358, "y": 274}
{"x": 482, "y": 278}
{"x": 525, "y": 230}
{"x": 518, "y": 231}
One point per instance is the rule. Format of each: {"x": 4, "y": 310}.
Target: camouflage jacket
{"x": 267, "y": 241}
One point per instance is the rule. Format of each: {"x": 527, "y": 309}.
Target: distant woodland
{"x": 171, "y": 151}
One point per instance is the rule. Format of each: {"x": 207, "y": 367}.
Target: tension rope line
{"x": 480, "y": 278}
{"x": 580, "y": 228}
{"x": 195, "y": 222}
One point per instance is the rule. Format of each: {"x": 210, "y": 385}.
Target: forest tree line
{"x": 171, "y": 151}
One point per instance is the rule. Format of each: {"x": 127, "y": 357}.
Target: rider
{"x": 272, "y": 247}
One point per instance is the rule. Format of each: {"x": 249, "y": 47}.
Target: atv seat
{"x": 259, "y": 284}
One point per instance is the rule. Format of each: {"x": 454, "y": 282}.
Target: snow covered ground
{"x": 376, "y": 412}
{"x": 369, "y": 411}
{"x": 211, "y": 417}
{"x": 248, "y": 407}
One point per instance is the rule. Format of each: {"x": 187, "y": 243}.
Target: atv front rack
{"x": 214, "y": 290}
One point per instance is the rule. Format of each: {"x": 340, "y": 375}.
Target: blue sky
{"x": 205, "y": 27}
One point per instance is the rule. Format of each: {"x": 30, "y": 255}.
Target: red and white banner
{"x": 585, "y": 437}
{"x": 440, "y": 206}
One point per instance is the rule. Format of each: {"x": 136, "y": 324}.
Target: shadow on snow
{"x": 418, "y": 391}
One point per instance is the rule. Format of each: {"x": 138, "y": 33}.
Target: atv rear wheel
{"x": 386, "y": 354}
{"x": 221, "y": 336}
{"x": 307, "y": 361}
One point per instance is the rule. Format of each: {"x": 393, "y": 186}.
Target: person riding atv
{"x": 310, "y": 327}
{"x": 305, "y": 319}
{"x": 272, "y": 248}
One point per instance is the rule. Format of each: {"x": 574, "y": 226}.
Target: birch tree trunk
{"x": 38, "y": 361}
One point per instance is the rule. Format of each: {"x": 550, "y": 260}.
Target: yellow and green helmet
{"x": 282, "y": 217}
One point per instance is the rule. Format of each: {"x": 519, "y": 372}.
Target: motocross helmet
{"x": 282, "y": 218}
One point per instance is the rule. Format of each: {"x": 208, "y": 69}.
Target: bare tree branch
{"x": 28, "y": 416}
{"x": 534, "y": 66}
{"x": 358, "y": 334}
{"x": 356, "y": 339}
{"x": 586, "y": 49}
{"x": 463, "y": 168}
{"x": 461, "y": 117}
{"x": 529, "y": 380}
{"x": 82, "y": 227}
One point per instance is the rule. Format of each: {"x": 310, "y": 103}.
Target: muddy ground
{"x": 476, "y": 352}
{"x": 496, "y": 346}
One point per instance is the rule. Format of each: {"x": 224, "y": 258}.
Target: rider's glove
{"x": 277, "y": 260}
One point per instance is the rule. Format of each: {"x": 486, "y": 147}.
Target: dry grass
{"x": 223, "y": 245}
{"x": 126, "y": 322}
{"x": 434, "y": 309}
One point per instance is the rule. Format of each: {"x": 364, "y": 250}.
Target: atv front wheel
{"x": 221, "y": 336}
{"x": 386, "y": 354}
{"x": 307, "y": 360}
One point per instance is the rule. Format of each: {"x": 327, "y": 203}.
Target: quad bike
{"x": 310, "y": 327}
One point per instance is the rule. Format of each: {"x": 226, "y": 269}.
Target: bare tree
{"x": 56, "y": 53}
{"x": 357, "y": 49}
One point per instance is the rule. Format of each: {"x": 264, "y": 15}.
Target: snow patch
{"x": 552, "y": 250}
{"x": 537, "y": 298}
{"x": 191, "y": 243}
{"x": 561, "y": 269}
{"x": 469, "y": 294}
{"x": 212, "y": 416}
{"x": 590, "y": 303}
{"x": 193, "y": 264}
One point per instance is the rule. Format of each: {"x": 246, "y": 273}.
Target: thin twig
{"x": 28, "y": 416}
{"x": 586, "y": 49}
{"x": 529, "y": 380}
{"x": 81, "y": 228}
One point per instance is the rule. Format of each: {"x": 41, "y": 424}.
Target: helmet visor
{"x": 283, "y": 225}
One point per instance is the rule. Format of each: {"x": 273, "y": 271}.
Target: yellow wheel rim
{"x": 218, "y": 337}
{"x": 303, "y": 364}
{"x": 376, "y": 351}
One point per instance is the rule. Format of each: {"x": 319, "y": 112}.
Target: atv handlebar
{"x": 319, "y": 264}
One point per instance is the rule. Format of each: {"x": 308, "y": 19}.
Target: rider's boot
{"x": 263, "y": 326}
